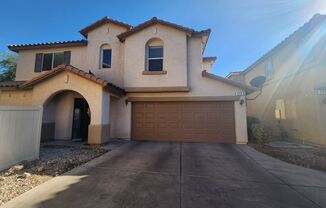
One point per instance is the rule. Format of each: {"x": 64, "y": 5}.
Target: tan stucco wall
{"x": 16, "y": 97}
{"x": 106, "y": 34}
{"x": 174, "y": 52}
{"x": 83, "y": 57}
{"x": 42, "y": 93}
{"x": 26, "y": 61}
{"x": 120, "y": 118}
{"x": 299, "y": 68}
{"x": 201, "y": 87}
{"x": 64, "y": 105}
{"x": 182, "y": 61}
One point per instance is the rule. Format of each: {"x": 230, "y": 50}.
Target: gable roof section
{"x": 101, "y": 22}
{"x": 246, "y": 88}
{"x": 154, "y": 21}
{"x": 111, "y": 87}
{"x": 60, "y": 44}
{"x": 233, "y": 73}
{"x": 296, "y": 36}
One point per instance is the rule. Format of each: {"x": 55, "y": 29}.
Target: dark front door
{"x": 81, "y": 119}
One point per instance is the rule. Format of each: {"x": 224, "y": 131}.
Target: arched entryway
{"x": 66, "y": 116}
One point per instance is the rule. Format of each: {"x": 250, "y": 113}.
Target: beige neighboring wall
{"x": 298, "y": 69}
{"x": 106, "y": 34}
{"x": 26, "y": 61}
{"x": 174, "y": 52}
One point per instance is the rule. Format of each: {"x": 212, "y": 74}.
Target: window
{"x": 154, "y": 55}
{"x": 48, "y": 61}
{"x": 269, "y": 72}
{"x": 155, "y": 58}
{"x": 280, "y": 109}
{"x": 58, "y": 58}
{"x": 106, "y": 56}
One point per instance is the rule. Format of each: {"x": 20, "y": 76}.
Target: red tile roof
{"x": 245, "y": 87}
{"x": 60, "y": 44}
{"x": 154, "y": 21}
{"x": 102, "y": 21}
{"x": 76, "y": 71}
{"x": 11, "y": 83}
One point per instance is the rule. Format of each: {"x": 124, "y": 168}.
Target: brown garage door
{"x": 184, "y": 121}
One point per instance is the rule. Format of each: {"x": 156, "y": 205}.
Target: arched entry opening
{"x": 66, "y": 116}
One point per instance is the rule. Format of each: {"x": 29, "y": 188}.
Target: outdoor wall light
{"x": 242, "y": 102}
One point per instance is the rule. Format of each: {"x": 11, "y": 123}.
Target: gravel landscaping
{"x": 54, "y": 160}
{"x": 314, "y": 157}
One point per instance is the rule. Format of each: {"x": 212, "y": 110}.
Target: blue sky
{"x": 242, "y": 30}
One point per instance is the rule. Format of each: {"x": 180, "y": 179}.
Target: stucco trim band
{"x": 154, "y": 72}
{"x": 185, "y": 99}
{"x": 157, "y": 89}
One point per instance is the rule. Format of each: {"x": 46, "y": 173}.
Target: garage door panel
{"x": 184, "y": 121}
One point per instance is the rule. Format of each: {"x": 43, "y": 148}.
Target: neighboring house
{"x": 148, "y": 82}
{"x": 293, "y": 98}
{"x": 236, "y": 76}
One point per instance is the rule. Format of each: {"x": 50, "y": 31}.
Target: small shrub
{"x": 261, "y": 133}
{"x": 250, "y": 121}
{"x": 284, "y": 133}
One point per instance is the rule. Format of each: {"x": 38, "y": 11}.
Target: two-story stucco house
{"x": 293, "y": 98}
{"x": 148, "y": 82}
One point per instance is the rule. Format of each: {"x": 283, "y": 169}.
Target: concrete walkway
{"x": 149, "y": 174}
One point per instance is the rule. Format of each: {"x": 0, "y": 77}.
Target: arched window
{"x": 106, "y": 56}
{"x": 154, "y": 55}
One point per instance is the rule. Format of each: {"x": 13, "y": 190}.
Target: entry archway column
{"x": 99, "y": 128}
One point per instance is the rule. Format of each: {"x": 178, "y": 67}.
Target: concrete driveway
{"x": 153, "y": 174}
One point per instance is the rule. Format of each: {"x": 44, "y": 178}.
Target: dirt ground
{"x": 314, "y": 158}
{"x": 54, "y": 160}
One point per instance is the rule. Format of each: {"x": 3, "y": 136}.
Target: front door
{"x": 81, "y": 119}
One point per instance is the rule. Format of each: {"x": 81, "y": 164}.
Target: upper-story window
{"x": 154, "y": 55}
{"x": 269, "y": 71}
{"x": 106, "y": 56}
{"x": 48, "y": 61}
